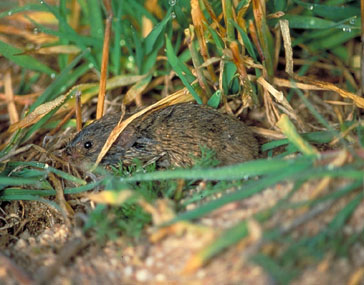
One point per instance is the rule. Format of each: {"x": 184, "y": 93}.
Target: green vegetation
{"x": 230, "y": 44}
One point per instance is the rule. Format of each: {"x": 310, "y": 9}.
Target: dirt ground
{"x": 43, "y": 248}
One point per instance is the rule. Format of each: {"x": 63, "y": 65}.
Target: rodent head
{"x": 84, "y": 149}
{"x": 87, "y": 144}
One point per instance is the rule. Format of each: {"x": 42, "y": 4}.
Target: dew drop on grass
{"x": 10, "y": 13}
{"x": 347, "y": 29}
{"x": 310, "y": 7}
{"x": 172, "y": 2}
{"x": 53, "y": 75}
{"x": 35, "y": 31}
{"x": 90, "y": 65}
{"x": 122, "y": 43}
{"x": 173, "y": 15}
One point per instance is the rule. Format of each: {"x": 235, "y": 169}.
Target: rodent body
{"x": 171, "y": 136}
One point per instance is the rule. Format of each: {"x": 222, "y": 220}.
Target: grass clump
{"x": 296, "y": 82}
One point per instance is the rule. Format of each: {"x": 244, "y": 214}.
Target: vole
{"x": 170, "y": 136}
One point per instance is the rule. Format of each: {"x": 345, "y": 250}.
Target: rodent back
{"x": 175, "y": 132}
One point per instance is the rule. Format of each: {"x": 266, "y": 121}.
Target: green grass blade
{"x": 238, "y": 171}
{"x": 25, "y": 8}
{"x": 26, "y": 61}
{"x": 246, "y": 191}
{"x": 181, "y": 70}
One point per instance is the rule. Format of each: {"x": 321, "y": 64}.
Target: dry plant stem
{"x": 268, "y": 133}
{"x": 16, "y": 152}
{"x": 64, "y": 120}
{"x": 277, "y": 44}
{"x": 196, "y": 62}
{"x": 253, "y": 34}
{"x": 357, "y": 277}
{"x": 18, "y": 274}
{"x": 237, "y": 59}
{"x": 287, "y": 83}
{"x": 198, "y": 21}
{"x": 23, "y": 99}
{"x": 221, "y": 30}
{"x": 358, "y": 101}
{"x": 104, "y": 64}
{"x": 9, "y": 97}
{"x": 287, "y": 46}
{"x": 67, "y": 210}
{"x": 75, "y": 14}
{"x": 78, "y": 111}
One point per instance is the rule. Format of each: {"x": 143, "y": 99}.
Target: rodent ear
{"x": 127, "y": 138}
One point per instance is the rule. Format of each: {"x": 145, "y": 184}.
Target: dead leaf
{"x": 37, "y": 114}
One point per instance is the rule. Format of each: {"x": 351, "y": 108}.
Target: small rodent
{"x": 171, "y": 136}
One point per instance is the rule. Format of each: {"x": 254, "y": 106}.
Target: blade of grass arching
{"x": 27, "y": 7}
{"x": 301, "y": 170}
{"x": 335, "y": 13}
{"x": 181, "y": 70}
{"x": 36, "y": 126}
{"x": 336, "y": 39}
{"x": 18, "y": 181}
{"x": 238, "y": 171}
{"x": 55, "y": 88}
{"x": 156, "y": 34}
{"x": 39, "y": 199}
{"x": 308, "y": 22}
{"x": 10, "y": 193}
{"x": 14, "y": 54}
{"x": 247, "y": 190}
{"x": 83, "y": 188}
{"x": 312, "y": 36}
{"x": 46, "y": 168}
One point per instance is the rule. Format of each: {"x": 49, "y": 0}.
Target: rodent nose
{"x": 68, "y": 150}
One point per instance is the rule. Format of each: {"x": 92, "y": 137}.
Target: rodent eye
{"x": 87, "y": 144}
